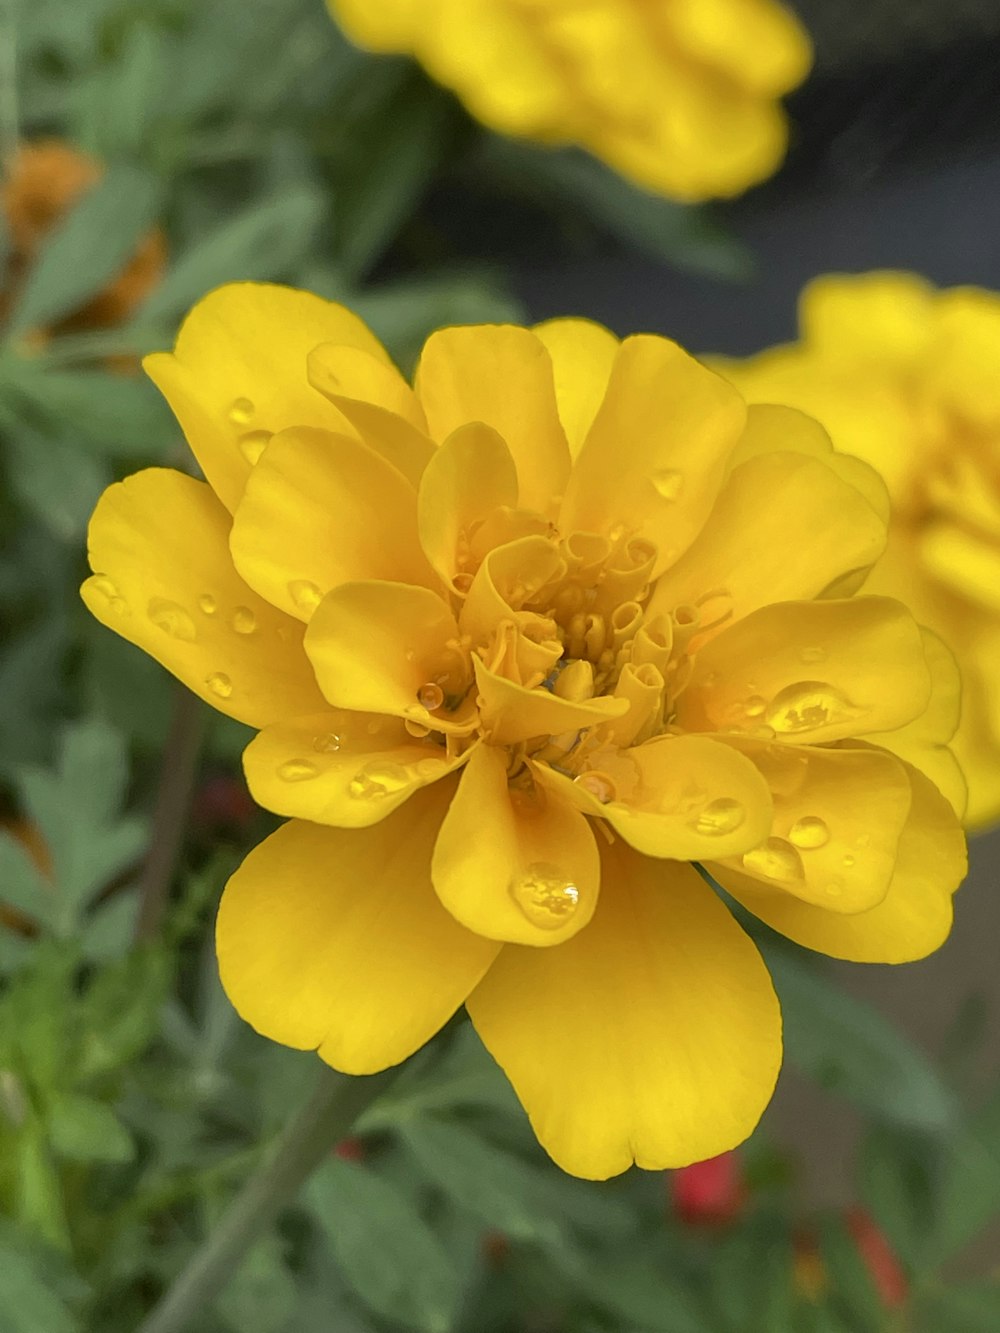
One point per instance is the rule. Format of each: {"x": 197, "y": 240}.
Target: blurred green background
{"x": 249, "y": 141}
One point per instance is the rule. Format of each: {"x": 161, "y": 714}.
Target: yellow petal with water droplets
{"x": 336, "y": 767}
{"x": 511, "y": 713}
{"x": 500, "y": 375}
{"x": 914, "y": 917}
{"x": 681, "y": 421}
{"x": 652, "y": 1036}
{"x": 685, "y": 797}
{"x": 582, "y": 355}
{"x": 321, "y": 510}
{"x": 769, "y": 506}
{"x": 238, "y": 369}
{"x": 530, "y": 872}
{"x": 509, "y": 576}
{"x": 810, "y": 673}
{"x": 163, "y": 579}
{"x": 468, "y": 478}
{"x": 838, "y": 817}
{"x": 375, "y": 646}
{"x": 334, "y": 939}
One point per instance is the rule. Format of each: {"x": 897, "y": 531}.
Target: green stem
{"x": 9, "y": 115}
{"x": 322, "y": 1122}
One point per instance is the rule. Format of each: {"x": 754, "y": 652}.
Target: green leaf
{"x": 90, "y": 247}
{"x": 84, "y": 1130}
{"x": 261, "y": 1295}
{"x": 970, "y": 1190}
{"x": 385, "y": 1249}
{"x": 898, "y": 1185}
{"x": 22, "y": 885}
{"x": 266, "y": 241}
{"x": 55, "y": 480}
{"x": 848, "y": 1047}
{"x": 851, "y": 1283}
{"x": 28, "y": 1304}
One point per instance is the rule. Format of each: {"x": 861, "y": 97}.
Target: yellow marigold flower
{"x": 908, "y": 378}
{"x": 522, "y": 643}
{"x": 681, "y": 96}
{"x": 42, "y": 183}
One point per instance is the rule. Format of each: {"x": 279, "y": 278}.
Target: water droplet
{"x": 754, "y": 706}
{"x": 243, "y": 620}
{"x": 774, "y": 859}
{"x": 102, "y": 584}
{"x": 297, "y": 770}
{"x": 326, "y": 743}
{"x": 598, "y": 784}
{"x": 809, "y": 704}
{"x": 809, "y": 832}
{"x": 253, "y": 444}
{"x": 834, "y": 887}
{"x": 219, "y": 683}
{"x": 305, "y": 594}
{"x": 208, "y": 604}
{"x": 416, "y": 729}
{"x": 668, "y": 482}
{"x": 813, "y": 654}
{"x": 848, "y": 860}
{"x": 430, "y": 769}
{"x": 240, "y": 411}
{"x": 545, "y": 895}
{"x": 172, "y": 619}
{"x": 719, "y": 817}
{"x": 378, "y": 779}
{"x": 430, "y": 696}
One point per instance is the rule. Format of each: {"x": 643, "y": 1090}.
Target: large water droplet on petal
{"x": 546, "y": 895}
{"x": 253, "y": 444}
{"x": 240, "y": 411}
{"x": 297, "y": 770}
{"x": 668, "y": 481}
{"x": 208, "y": 604}
{"x": 328, "y": 742}
{"x": 775, "y": 859}
{"x": 109, "y": 590}
{"x": 378, "y": 779}
{"x": 809, "y": 832}
{"x": 430, "y": 696}
{"x": 243, "y": 620}
{"x": 598, "y": 784}
{"x": 219, "y": 683}
{"x": 172, "y": 619}
{"x": 807, "y": 705}
{"x": 305, "y": 594}
{"x": 754, "y": 706}
{"x": 720, "y": 817}
{"x": 430, "y": 769}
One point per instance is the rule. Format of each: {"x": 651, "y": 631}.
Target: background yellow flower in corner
{"x": 681, "y": 96}
{"x": 908, "y": 378}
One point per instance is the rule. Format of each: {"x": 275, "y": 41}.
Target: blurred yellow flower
{"x": 522, "y": 643}
{"x": 908, "y": 378}
{"x": 41, "y": 184}
{"x": 681, "y": 96}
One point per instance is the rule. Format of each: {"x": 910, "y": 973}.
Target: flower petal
{"x": 681, "y": 421}
{"x": 770, "y": 506}
{"x": 511, "y": 865}
{"x": 914, "y": 917}
{"x": 320, "y": 510}
{"x": 163, "y": 579}
{"x": 468, "y": 478}
{"x": 238, "y": 373}
{"x": 810, "y": 672}
{"x": 924, "y": 741}
{"x": 654, "y": 1035}
{"x": 343, "y": 768}
{"x": 838, "y": 817}
{"x": 689, "y": 798}
{"x": 375, "y": 645}
{"x": 334, "y": 939}
{"x": 502, "y": 376}
{"x": 511, "y": 713}
{"x": 583, "y": 354}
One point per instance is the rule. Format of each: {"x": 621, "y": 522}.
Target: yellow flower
{"x": 908, "y": 378}
{"x": 522, "y": 643}
{"x": 681, "y": 96}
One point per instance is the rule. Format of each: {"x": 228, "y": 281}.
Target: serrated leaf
{"x": 89, "y": 247}
{"x": 265, "y": 242}
{"x": 22, "y": 885}
{"x": 850, "y": 1048}
{"x": 84, "y": 1130}
{"x": 385, "y": 1249}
